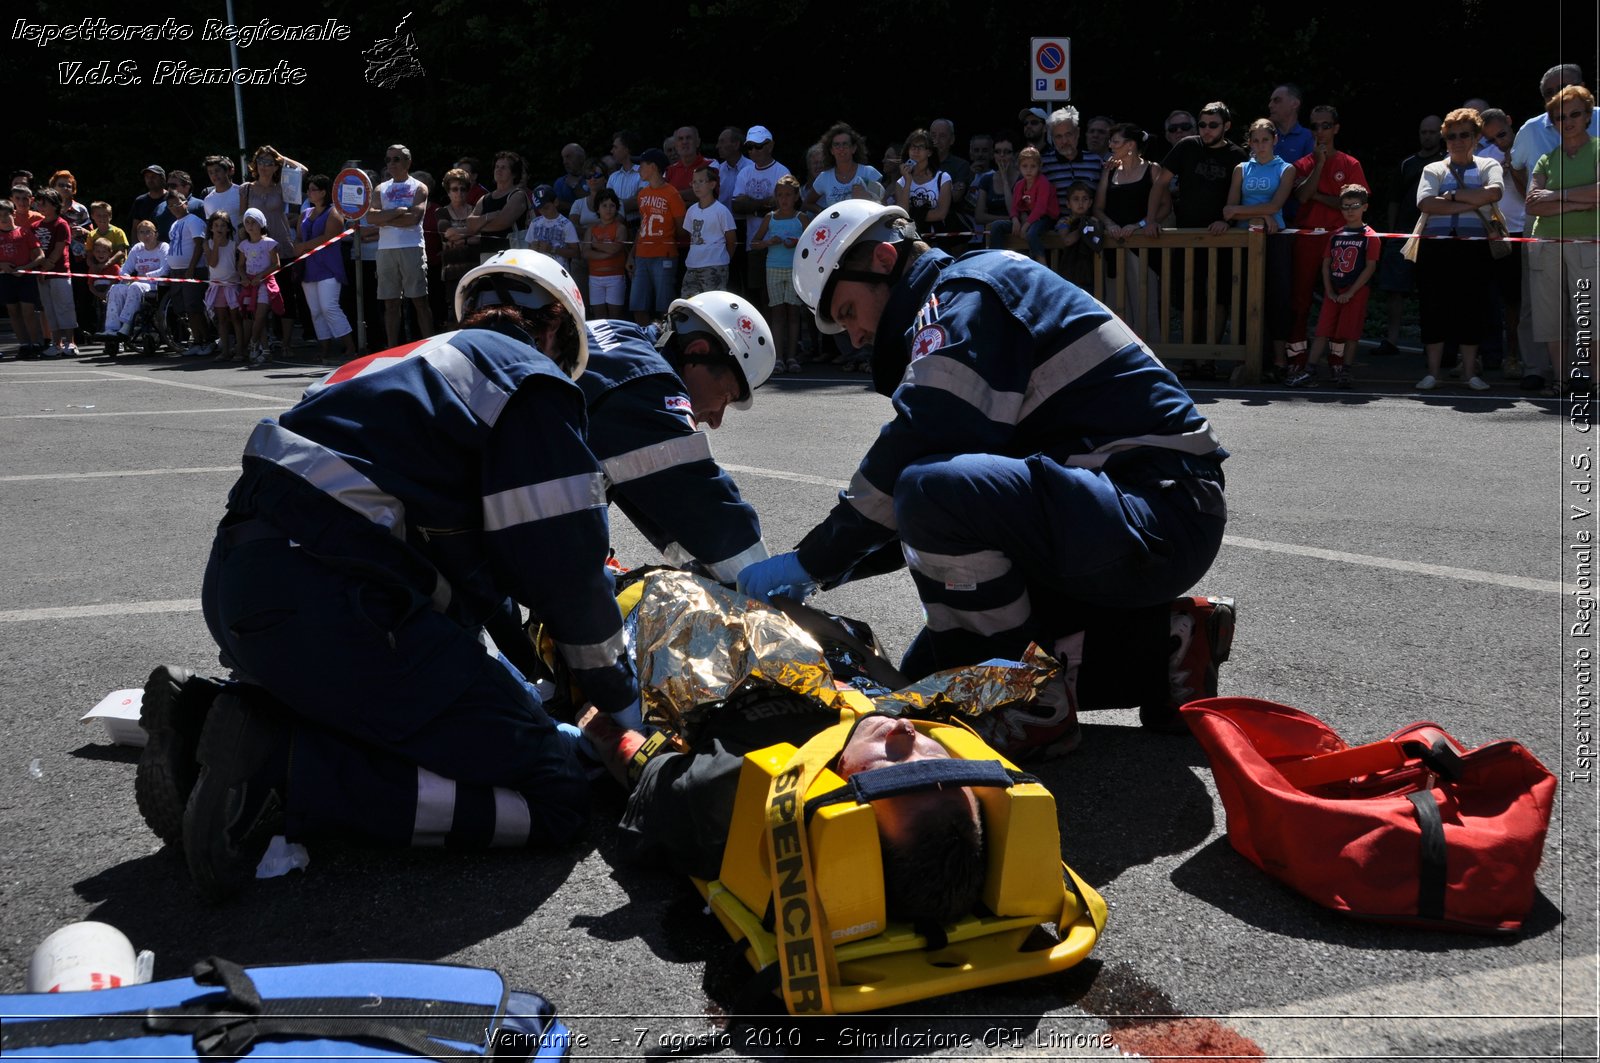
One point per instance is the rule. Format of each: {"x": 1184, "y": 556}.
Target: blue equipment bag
{"x": 224, "y": 1011}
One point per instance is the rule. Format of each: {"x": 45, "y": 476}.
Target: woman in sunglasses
{"x": 1563, "y": 203}
{"x": 265, "y": 192}
{"x": 1457, "y": 194}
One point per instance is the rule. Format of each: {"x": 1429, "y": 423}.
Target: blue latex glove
{"x": 630, "y": 718}
{"x": 782, "y": 574}
{"x": 579, "y": 741}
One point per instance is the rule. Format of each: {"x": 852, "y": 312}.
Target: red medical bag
{"x": 1414, "y": 829}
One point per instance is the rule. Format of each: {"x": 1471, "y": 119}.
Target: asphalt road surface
{"x": 1394, "y": 559}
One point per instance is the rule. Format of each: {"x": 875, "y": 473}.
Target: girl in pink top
{"x": 258, "y": 292}
{"x": 1034, "y": 202}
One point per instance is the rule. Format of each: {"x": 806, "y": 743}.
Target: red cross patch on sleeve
{"x": 928, "y": 339}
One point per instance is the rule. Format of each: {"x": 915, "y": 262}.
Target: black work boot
{"x": 173, "y": 712}
{"x": 238, "y": 801}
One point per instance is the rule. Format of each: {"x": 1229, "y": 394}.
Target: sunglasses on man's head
{"x": 1180, "y": 127}
{"x": 1210, "y": 125}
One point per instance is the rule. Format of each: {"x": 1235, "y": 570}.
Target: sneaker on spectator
{"x": 1301, "y": 378}
{"x": 71, "y": 351}
{"x": 778, "y": 368}
{"x": 1477, "y": 383}
{"x": 52, "y": 352}
{"x": 237, "y": 804}
{"x": 1385, "y": 350}
{"x": 1342, "y": 377}
{"x": 1202, "y": 639}
{"x": 172, "y": 714}
{"x": 1427, "y": 383}
{"x": 794, "y": 365}
{"x": 1511, "y": 368}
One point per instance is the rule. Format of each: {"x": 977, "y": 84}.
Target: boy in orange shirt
{"x": 654, "y": 261}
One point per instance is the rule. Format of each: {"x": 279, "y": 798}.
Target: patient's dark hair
{"x": 937, "y": 874}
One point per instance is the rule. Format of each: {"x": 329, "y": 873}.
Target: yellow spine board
{"x": 864, "y": 961}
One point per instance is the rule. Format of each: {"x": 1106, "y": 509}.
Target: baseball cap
{"x": 656, "y": 156}
{"x": 544, "y": 194}
{"x": 1037, "y": 112}
{"x": 158, "y": 171}
{"x": 759, "y": 134}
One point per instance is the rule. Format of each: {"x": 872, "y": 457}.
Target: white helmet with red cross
{"x": 831, "y": 234}
{"x": 738, "y": 325}
{"x": 528, "y": 279}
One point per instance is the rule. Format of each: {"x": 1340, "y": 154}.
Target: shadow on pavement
{"x": 356, "y": 904}
{"x": 1225, "y": 880}
{"x": 1126, "y": 797}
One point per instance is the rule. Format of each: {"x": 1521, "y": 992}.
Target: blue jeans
{"x": 655, "y": 284}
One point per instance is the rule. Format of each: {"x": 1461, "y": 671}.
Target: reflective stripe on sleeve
{"x": 966, "y": 384}
{"x": 1201, "y": 441}
{"x": 328, "y": 473}
{"x": 436, "y": 808}
{"x": 595, "y": 654}
{"x": 869, "y": 501}
{"x": 728, "y": 569}
{"x": 1073, "y": 361}
{"x": 472, "y": 386}
{"x": 542, "y": 501}
{"x": 512, "y": 821}
{"x": 980, "y": 621}
{"x": 667, "y": 454}
{"x": 964, "y": 569}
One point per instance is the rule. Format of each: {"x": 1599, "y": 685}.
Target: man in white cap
{"x": 752, "y": 198}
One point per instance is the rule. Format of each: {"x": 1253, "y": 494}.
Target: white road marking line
{"x": 140, "y": 413}
{"x": 73, "y": 380}
{"x": 151, "y": 379}
{"x": 74, "y": 612}
{"x": 115, "y": 473}
{"x": 1389, "y": 1021}
{"x": 1470, "y": 575}
{"x": 779, "y": 474}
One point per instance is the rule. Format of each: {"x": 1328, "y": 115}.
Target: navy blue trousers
{"x": 1005, "y": 551}
{"x": 406, "y": 730}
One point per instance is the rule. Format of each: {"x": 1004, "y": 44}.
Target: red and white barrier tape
{"x": 114, "y": 277}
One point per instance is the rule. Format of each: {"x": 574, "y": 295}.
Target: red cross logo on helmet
{"x": 746, "y": 325}
{"x": 820, "y": 236}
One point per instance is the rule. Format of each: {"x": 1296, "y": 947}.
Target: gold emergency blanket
{"x": 697, "y": 642}
{"x": 977, "y": 690}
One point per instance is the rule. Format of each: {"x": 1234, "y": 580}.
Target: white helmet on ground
{"x": 530, "y": 279}
{"x": 824, "y": 244}
{"x": 738, "y": 324}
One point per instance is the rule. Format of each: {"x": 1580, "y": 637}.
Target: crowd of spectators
{"x": 641, "y": 225}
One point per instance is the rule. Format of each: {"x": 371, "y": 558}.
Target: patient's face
{"x": 880, "y": 741}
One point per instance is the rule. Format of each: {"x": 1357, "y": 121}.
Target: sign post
{"x": 352, "y": 191}
{"x": 1051, "y": 61}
